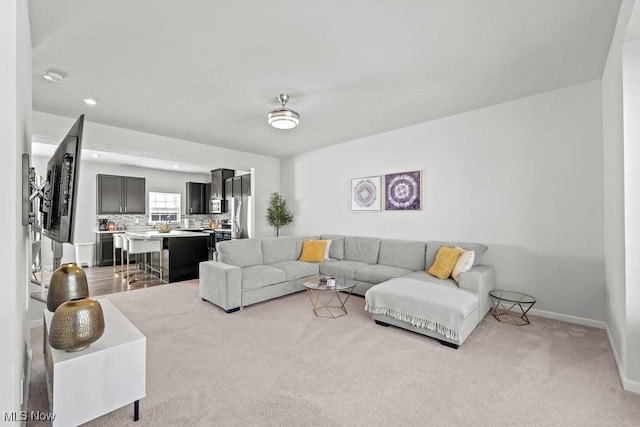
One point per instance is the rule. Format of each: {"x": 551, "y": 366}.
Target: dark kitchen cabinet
{"x": 218, "y": 178}
{"x": 109, "y": 196}
{"x": 228, "y": 185}
{"x": 134, "y": 195}
{"x": 197, "y": 195}
{"x": 104, "y": 250}
{"x": 237, "y": 186}
{"x": 246, "y": 184}
{"x": 120, "y": 195}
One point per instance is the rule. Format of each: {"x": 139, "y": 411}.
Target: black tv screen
{"x": 60, "y": 191}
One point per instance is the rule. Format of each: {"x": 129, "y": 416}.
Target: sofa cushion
{"x": 406, "y": 254}
{"x": 276, "y": 249}
{"x": 257, "y": 276}
{"x": 336, "y": 251}
{"x": 297, "y": 269}
{"x": 436, "y": 308}
{"x": 361, "y": 249}
{"x": 345, "y": 269}
{"x": 433, "y": 247}
{"x": 423, "y": 276}
{"x": 240, "y": 252}
{"x": 379, "y": 273}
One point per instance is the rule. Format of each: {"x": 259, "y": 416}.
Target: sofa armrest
{"x": 221, "y": 284}
{"x": 480, "y": 279}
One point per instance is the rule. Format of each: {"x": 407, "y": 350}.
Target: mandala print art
{"x": 365, "y": 193}
{"x": 403, "y": 191}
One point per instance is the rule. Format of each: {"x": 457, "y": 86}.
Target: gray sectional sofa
{"x": 249, "y": 271}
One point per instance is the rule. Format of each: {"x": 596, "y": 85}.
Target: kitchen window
{"x": 164, "y": 207}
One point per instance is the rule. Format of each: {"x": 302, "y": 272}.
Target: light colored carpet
{"x": 276, "y": 364}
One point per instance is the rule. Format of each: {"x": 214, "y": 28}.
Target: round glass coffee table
{"x": 511, "y": 306}
{"x": 322, "y": 296}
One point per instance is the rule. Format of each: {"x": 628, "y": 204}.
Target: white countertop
{"x": 155, "y": 233}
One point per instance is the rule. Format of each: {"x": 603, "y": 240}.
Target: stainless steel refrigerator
{"x": 241, "y": 217}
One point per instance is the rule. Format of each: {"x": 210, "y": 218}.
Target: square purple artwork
{"x": 402, "y": 191}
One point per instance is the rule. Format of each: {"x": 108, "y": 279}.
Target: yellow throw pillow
{"x": 313, "y": 251}
{"x": 445, "y": 261}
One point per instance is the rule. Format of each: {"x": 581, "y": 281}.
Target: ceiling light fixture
{"x": 90, "y": 101}
{"x": 283, "y": 118}
{"x": 52, "y": 76}
{"x": 95, "y": 156}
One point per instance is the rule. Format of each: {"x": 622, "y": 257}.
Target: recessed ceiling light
{"x": 95, "y": 156}
{"x": 52, "y": 76}
{"x": 90, "y": 101}
{"x": 176, "y": 166}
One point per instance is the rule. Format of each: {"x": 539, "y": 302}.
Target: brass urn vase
{"x": 67, "y": 283}
{"x": 76, "y": 324}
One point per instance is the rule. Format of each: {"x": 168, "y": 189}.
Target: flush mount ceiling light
{"x": 52, "y": 76}
{"x": 90, "y": 101}
{"x": 283, "y": 118}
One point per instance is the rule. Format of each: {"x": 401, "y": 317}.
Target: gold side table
{"x": 511, "y": 307}
{"x": 322, "y": 296}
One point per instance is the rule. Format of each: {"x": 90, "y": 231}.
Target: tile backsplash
{"x": 124, "y": 222}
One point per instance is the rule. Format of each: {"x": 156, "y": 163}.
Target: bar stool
{"x": 119, "y": 242}
{"x": 142, "y": 246}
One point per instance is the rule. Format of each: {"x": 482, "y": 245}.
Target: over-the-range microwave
{"x": 216, "y": 205}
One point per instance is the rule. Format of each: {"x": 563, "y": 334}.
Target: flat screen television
{"x": 60, "y": 191}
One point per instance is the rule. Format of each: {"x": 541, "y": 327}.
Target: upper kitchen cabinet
{"x": 237, "y": 186}
{"x": 246, "y": 184}
{"x": 120, "y": 195}
{"x": 197, "y": 195}
{"x": 218, "y": 178}
{"x": 228, "y": 185}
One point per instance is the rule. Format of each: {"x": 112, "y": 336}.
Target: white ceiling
{"x": 209, "y": 71}
{"x": 46, "y": 149}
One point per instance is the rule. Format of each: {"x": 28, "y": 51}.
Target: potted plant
{"x": 277, "y": 214}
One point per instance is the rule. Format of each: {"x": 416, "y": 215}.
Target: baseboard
{"x": 568, "y": 318}
{"x": 36, "y": 323}
{"x": 627, "y": 384}
{"x": 630, "y": 385}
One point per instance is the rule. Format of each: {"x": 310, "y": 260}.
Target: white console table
{"x": 108, "y": 375}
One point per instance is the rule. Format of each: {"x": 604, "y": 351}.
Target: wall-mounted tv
{"x": 60, "y": 191}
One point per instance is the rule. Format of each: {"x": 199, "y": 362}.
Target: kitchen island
{"x": 182, "y": 252}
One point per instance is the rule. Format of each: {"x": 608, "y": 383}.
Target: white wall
{"x": 621, "y": 186}
{"x": 15, "y": 134}
{"x": 613, "y": 166}
{"x": 112, "y": 139}
{"x": 631, "y": 103}
{"x": 524, "y": 177}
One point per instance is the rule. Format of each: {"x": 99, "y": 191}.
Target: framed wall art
{"x": 365, "y": 194}
{"x": 403, "y": 191}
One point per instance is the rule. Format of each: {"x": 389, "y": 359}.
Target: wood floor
{"x": 102, "y": 281}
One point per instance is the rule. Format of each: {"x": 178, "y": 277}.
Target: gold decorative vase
{"x": 76, "y": 324}
{"x": 67, "y": 283}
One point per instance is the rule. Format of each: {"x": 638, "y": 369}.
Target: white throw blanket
{"x": 424, "y": 305}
